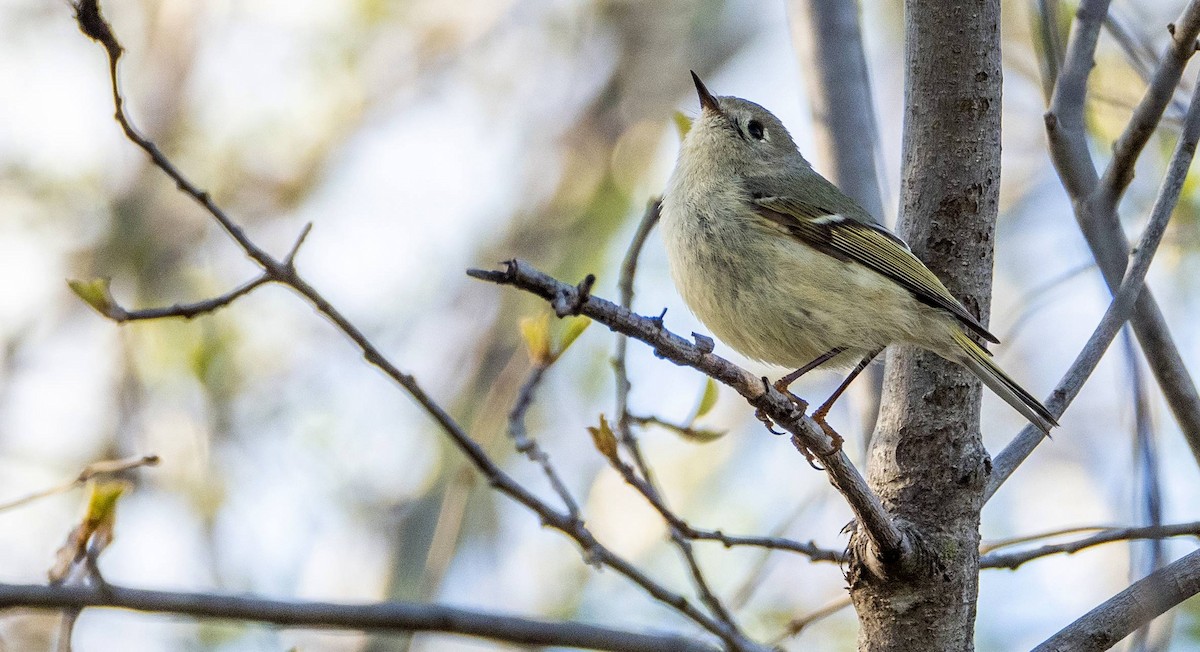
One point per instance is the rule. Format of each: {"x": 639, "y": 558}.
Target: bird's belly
{"x": 793, "y": 303}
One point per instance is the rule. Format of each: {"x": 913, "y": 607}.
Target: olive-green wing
{"x": 867, "y": 243}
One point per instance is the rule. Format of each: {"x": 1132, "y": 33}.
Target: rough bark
{"x": 927, "y": 460}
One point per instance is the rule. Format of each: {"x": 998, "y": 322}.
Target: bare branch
{"x": 687, "y": 431}
{"x": 388, "y": 617}
{"x": 290, "y": 259}
{"x": 645, "y": 483}
{"x": 990, "y": 546}
{"x": 1095, "y": 211}
{"x": 1052, "y": 47}
{"x": 809, "y": 549}
{"x": 187, "y": 310}
{"x": 1120, "y": 308}
{"x": 620, "y": 370}
{"x": 1103, "y": 627}
{"x": 106, "y": 467}
{"x": 1150, "y": 110}
{"x": 529, "y": 446}
{"x": 839, "y": 89}
{"x": 1064, "y": 120}
{"x": 872, "y": 518}
{"x": 1012, "y": 560}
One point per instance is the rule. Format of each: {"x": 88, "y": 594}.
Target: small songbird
{"x": 786, "y": 269}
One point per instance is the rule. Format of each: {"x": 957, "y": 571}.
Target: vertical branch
{"x": 1147, "y": 485}
{"x": 629, "y": 440}
{"x": 829, "y": 37}
{"x": 839, "y": 88}
{"x": 927, "y": 460}
{"x": 620, "y": 370}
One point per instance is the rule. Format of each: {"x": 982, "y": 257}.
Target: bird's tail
{"x": 980, "y": 363}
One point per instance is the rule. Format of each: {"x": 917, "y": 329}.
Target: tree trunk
{"x": 927, "y": 460}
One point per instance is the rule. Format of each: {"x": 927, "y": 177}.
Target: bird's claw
{"x": 766, "y": 421}
{"x": 834, "y": 437}
{"x": 808, "y": 455}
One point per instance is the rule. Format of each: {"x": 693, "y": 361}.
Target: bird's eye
{"x": 755, "y": 129}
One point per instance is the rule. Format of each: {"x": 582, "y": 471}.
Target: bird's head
{"x": 740, "y": 137}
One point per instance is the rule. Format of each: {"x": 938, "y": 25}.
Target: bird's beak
{"x": 708, "y": 102}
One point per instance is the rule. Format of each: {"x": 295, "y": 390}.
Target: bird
{"x": 786, "y": 269}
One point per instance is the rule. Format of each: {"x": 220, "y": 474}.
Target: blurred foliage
{"x": 291, "y": 469}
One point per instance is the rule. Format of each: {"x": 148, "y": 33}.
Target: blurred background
{"x": 421, "y": 138}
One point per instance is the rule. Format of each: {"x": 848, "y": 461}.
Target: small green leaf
{"x": 707, "y": 400}
{"x": 683, "y": 124}
{"x": 536, "y": 331}
{"x": 574, "y": 329}
{"x": 102, "y": 501}
{"x": 605, "y": 440}
{"x": 97, "y": 294}
{"x": 701, "y": 435}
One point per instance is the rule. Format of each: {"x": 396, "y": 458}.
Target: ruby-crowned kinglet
{"x": 786, "y": 269}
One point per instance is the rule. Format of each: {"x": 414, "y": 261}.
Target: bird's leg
{"x": 782, "y": 384}
{"x": 762, "y": 416}
{"x": 823, "y": 411}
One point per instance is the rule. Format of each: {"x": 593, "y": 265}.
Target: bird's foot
{"x": 781, "y": 386}
{"x": 819, "y": 417}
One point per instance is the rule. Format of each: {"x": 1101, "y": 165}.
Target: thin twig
{"x": 809, "y": 549}
{"x": 1032, "y": 300}
{"x": 758, "y": 570}
{"x": 620, "y": 370}
{"x": 529, "y": 446}
{"x": 688, "y": 431}
{"x": 798, "y": 624}
{"x": 1123, "y": 300}
{"x": 188, "y": 310}
{"x": 384, "y": 617}
{"x": 990, "y": 546}
{"x": 1147, "y": 488}
{"x": 886, "y": 537}
{"x": 283, "y": 272}
{"x": 1064, "y": 119}
{"x": 1011, "y": 560}
{"x": 645, "y": 484}
{"x": 681, "y": 535}
{"x": 1052, "y": 47}
{"x": 1154, "y": 102}
{"x": 106, "y": 467}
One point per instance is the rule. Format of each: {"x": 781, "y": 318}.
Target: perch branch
{"x": 875, "y": 521}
